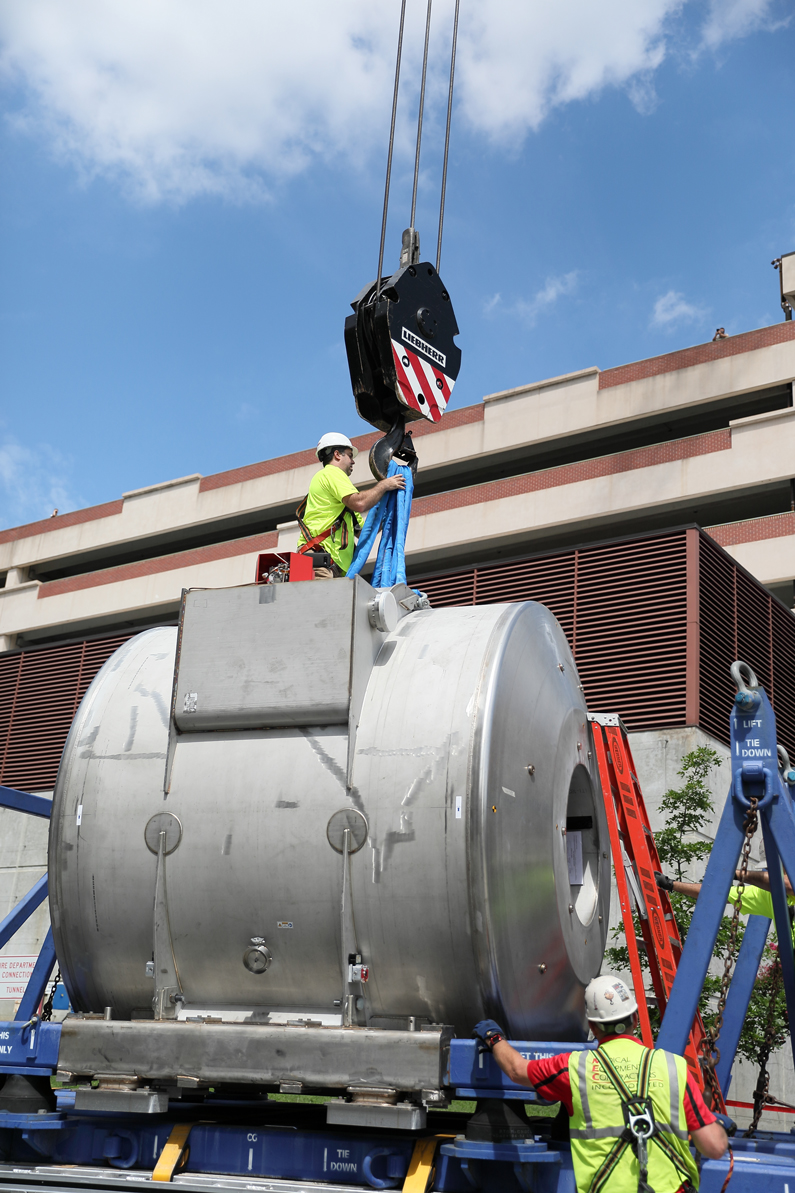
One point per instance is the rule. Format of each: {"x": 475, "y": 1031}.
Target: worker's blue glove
{"x": 487, "y": 1033}
{"x": 728, "y": 1124}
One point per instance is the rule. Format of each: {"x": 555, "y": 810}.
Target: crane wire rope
{"x": 419, "y": 117}
{"x": 447, "y": 138}
{"x": 393, "y": 122}
{"x": 391, "y": 147}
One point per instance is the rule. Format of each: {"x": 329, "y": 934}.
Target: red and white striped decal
{"x": 422, "y": 387}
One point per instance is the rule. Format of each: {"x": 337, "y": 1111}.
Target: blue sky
{"x": 187, "y": 207}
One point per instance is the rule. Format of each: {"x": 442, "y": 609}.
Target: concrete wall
{"x": 23, "y": 860}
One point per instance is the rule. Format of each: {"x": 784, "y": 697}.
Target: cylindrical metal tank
{"x": 472, "y": 753}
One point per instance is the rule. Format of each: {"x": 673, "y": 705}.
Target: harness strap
{"x": 617, "y": 1081}
{"x": 313, "y": 541}
{"x": 616, "y": 1153}
{"x": 609, "y": 1165}
{"x": 670, "y": 1152}
{"x": 618, "y": 1150}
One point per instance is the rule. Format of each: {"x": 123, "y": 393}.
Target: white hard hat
{"x": 335, "y": 439}
{"x": 608, "y": 1000}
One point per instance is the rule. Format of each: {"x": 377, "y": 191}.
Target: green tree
{"x": 687, "y": 810}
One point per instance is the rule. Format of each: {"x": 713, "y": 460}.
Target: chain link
{"x": 709, "y": 1045}
{"x": 761, "y": 1097}
{"x": 46, "y": 1010}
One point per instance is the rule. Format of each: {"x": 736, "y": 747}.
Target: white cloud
{"x": 672, "y": 310}
{"x": 198, "y": 96}
{"x": 642, "y": 92}
{"x": 33, "y": 482}
{"x": 522, "y": 59}
{"x": 730, "y": 19}
{"x": 528, "y": 310}
{"x": 229, "y": 97}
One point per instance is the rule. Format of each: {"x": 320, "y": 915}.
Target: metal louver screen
{"x": 40, "y": 691}
{"x": 630, "y": 630}
{"x": 739, "y": 619}
{"x": 654, "y": 624}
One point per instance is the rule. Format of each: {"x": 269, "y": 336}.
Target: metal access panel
{"x": 268, "y": 655}
{"x": 788, "y": 275}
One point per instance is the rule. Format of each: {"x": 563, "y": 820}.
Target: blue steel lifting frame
{"x": 755, "y": 774}
{"x": 28, "y": 1047}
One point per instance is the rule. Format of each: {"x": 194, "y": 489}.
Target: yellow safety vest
{"x": 603, "y": 1159}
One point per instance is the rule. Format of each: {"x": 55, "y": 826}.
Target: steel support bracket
{"x": 30, "y": 1049}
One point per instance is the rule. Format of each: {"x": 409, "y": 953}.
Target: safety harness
{"x": 313, "y": 541}
{"x": 639, "y": 1127}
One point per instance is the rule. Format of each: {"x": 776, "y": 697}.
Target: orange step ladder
{"x": 635, "y": 859}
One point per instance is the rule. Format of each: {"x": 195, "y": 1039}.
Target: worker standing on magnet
{"x": 631, "y": 1108}
{"x": 328, "y": 517}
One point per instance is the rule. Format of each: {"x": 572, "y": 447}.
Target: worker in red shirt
{"x": 631, "y": 1108}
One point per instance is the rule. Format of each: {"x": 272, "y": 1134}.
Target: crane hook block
{"x": 401, "y": 348}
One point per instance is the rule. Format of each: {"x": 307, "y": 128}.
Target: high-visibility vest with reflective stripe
{"x": 597, "y": 1121}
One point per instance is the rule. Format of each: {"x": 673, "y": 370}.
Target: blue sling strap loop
{"x": 391, "y": 517}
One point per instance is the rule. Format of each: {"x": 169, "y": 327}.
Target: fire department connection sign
{"x": 14, "y": 974}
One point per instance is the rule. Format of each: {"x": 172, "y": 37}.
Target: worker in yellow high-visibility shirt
{"x": 329, "y": 514}
{"x": 756, "y": 899}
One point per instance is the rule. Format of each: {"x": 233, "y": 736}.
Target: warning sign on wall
{"x": 14, "y": 974}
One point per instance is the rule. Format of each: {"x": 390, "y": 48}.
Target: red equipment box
{"x": 299, "y": 567}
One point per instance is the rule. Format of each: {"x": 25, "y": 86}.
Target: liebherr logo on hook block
{"x": 419, "y": 345}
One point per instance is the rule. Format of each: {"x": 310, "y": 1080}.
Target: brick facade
{"x": 653, "y": 366}
{"x": 61, "y": 520}
{"x": 305, "y": 459}
{"x": 570, "y": 474}
{"x": 755, "y": 530}
{"x": 165, "y": 563}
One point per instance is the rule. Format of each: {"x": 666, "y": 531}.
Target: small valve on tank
{"x": 258, "y": 957}
{"x": 356, "y": 971}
